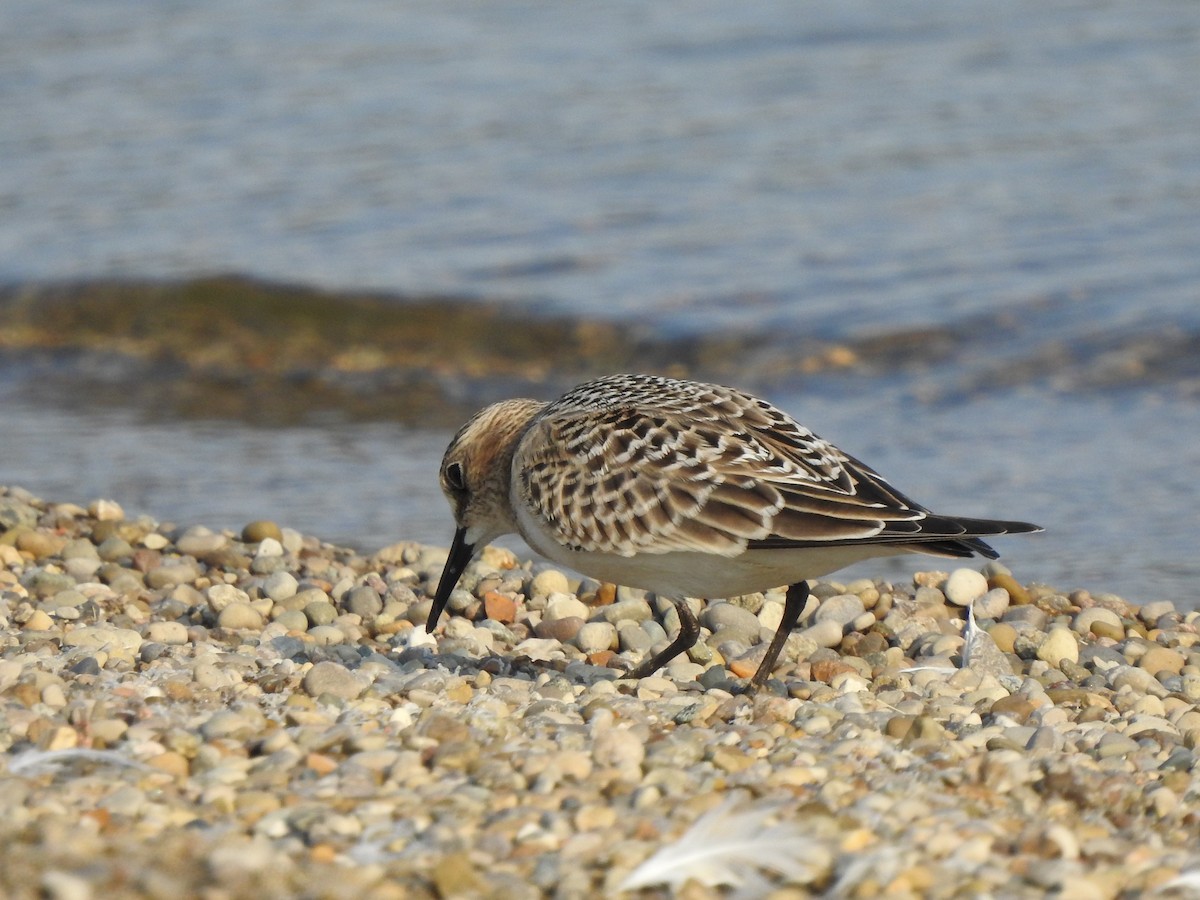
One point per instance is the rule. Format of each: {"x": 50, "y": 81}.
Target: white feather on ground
{"x": 979, "y": 653}
{"x": 32, "y": 762}
{"x": 1185, "y": 883}
{"x": 730, "y": 847}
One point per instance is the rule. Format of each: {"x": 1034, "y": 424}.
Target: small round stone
{"x": 168, "y": 576}
{"x": 824, "y": 634}
{"x": 841, "y": 609}
{"x": 280, "y": 585}
{"x": 106, "y": 510}
{"x": 1086, "y": 619}
{"x": 596, "y": 636}
{"x": 238, "y": 616}
{"x": 363, "y": 601}
{"x": 222, "y": 595}
{"x": 992, "y": 605}
{"x": 564, "y": 606}
{"x": 736, "y": 622}
{"x": 1162, "y": 659}
{"x": 618, "y": 748}
{"x": 320, "y": 612}
{"x": 167, "y": 633}
{"x": 563, "y": 630}
{"x": 1059, "y": 645}
{"x": 293, "y": 620}
{"x": 547, "y": 582}
{"x": 332, "y": 678}
{"x": 260, "y": 530}
{"x": 964, "y": 586}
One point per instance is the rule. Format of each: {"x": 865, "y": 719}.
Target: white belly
{"x": 704, "y": 575}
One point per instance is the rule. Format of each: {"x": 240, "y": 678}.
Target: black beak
{"x": 460, "y": 554}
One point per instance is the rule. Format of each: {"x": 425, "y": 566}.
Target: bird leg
{"x": 689, "y": 633}
{"x": 793, "y": 605}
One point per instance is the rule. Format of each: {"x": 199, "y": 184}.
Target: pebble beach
{"x": 188, "y": 712}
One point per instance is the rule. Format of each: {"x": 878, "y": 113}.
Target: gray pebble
{"x": 200, "y": 541}
{"x": 289, "y": 647}
{"x": 1095, "y": 656}
{"x": 267, "y": 565}
{"x": 727, "y": 617}
{"x": 1152, "y": 612}
{"x": 654, "y": 631}
{"x": 993, "y": 604}
{"x": 171, "y": 608}
{"x": 824, "y": 634}
{"x": 152, "y": 650}
{"x": 333, "y": 679}
{"x": 14, "y": 514}
{"x": 320, "y": 612}
{"x": 1140, "y": 680}
{"x": 86, "y": 665}
{"x": 1045, "y": 738}
{"x": 625, "y": 611}
{"x": 717, "y": 677}
{"x": 1082, "y": 623}
{"x": 80, "y": 548}
{"x": 113, "y": 549}
{"x": 632, "y": 637}
{"x": 1029, "y": 616}
{"x": 324, "y": 635}
{"x": 127, "y": 582}
{"x": 841, "y": 609}
{"x": 1180, "y": 760}
{"x": 293, "y": 620}
{"x": 1115, "y": 745}
{"x": 280, "y": 585}
{"x": 238, "y": 616}
{"x": 43, "y": 584}
{"x": 363, "y": 601}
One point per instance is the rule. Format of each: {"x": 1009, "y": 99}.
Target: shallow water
{"x": 1026, "y": 174}
{"x": 1119, "y": 527}
{"x": 827, "y": 167}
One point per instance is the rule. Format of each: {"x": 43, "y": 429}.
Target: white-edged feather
{"x": 730, "y": 847}
{"x": 33, "y": 762}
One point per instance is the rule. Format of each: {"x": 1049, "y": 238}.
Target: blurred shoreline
{"x": 271, "y": 354}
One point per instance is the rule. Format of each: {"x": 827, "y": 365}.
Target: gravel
{"x": 186, "y": 712}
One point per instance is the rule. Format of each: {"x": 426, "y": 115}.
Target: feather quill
{"x": 730, "y": 847}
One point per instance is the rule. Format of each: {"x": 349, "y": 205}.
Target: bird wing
{"x": 708, "y": 476}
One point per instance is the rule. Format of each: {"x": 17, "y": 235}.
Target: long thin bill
{"x": 460, "y": 554}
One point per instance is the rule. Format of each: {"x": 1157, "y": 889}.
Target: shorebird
{"x": 684, "y": 489}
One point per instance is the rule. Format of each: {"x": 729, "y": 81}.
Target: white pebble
{"x": 563, "y": 606}
{"x": 1059, "y": 645}
{"x": 964, "y": 586}
{"x": 268, "y": 547}
{"x": 596, "y": 636}
{"x": 547, "y": 582}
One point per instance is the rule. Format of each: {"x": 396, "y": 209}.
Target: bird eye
{"x": 456, "y": 479}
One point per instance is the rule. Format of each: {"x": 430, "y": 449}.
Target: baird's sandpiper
{"x": 684, "y": 489}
